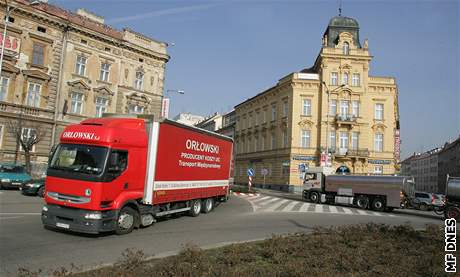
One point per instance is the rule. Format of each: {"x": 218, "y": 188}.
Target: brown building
{"x": 61, "y": 67}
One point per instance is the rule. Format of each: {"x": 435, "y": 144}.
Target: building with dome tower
{"x": 332, "y": 113}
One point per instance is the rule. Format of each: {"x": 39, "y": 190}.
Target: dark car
{"x": 13, "y": 176}
{"x": 34, "y": 187}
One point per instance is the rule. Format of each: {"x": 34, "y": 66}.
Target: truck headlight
{"x": 5, "y": 180}
{"x": 93, "y": 216}
{"x": 45, "y": 208}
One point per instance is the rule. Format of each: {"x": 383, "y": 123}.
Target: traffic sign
{"x": 264, "y": 171}
{"x": 251, "y": 172}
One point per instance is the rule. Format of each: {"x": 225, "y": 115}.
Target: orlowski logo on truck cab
{"x": 80, "y": 135}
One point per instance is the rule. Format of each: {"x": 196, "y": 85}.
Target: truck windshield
{"x": 79, "y": 158}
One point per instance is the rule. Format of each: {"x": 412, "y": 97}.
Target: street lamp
{"x": 327, "y": 117}
{"x": 165, "y": 102}
{"x": 8, "y": 11}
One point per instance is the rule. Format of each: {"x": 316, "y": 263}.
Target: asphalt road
{"x": 25, "y": 243}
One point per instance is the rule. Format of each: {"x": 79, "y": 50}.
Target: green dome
{"x": 342, "y": 21}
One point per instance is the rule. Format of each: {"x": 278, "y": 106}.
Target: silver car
{"x": 426, "y": 201}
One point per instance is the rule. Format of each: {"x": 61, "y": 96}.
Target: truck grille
{"x": 68, "y": 198}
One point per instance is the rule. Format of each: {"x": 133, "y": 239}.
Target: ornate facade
{"x": 334, "y": 107}
{"x": 69, "y": 66}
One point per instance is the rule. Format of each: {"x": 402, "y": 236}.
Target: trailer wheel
{"x": 208, "y": 205}
{"x": 126, "y": 221}
{"x": 314, "y": 197}
{"x": 195, "y": 208}
{"x": 451, "y": 212}
{"x": 378, "y": 204}
{"x": 362, "y": 202}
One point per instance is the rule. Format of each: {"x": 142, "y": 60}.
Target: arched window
{"x": 346, "y": 48}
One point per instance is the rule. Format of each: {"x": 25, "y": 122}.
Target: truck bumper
{"x": 77, "y": 220}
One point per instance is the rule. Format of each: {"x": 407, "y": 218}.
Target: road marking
{"x": 265, "y": 203}
{"x": 20, "y": 213}
{"x": 333, "y": 209}
{"x": 361, "y": 212}
{"x": 10, "y": 217}
{"x": 268, "y": 203}
{"x": 289, "y": 207}
{"x": 275, "y": 206}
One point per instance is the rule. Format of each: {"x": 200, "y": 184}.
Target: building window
{"x": 355, "y": 81}
{"x": 378, "y": 142}
{"x": 344, "y": 107}
{"x": 38, "y": 54}
{"x": 306, "y": 107}
{"x": 345, "y": 79}
{"x": 378, "y": 169}
{"x": 256, "y": 118}
{"x": 333, "y": 107}
{"x": 33, "y": 95}
{"x": 285, "y": 138}
{"x": 343, "y": 140}
{"x": 248, "y": 145}
{"x": 334, "y": 78}
{"x": 346, "y": 48}
{"x": 273, "y": 112}
{"x": 105, "y": 69}
{"x": 139, "y": 82}
{"x": 265, "y": 115}
{"x": 355, "y": 108}
{"x": 273, "y": 138}
{"x": 305, "y": 138}
{"x": 379, "y": 111}
{"x": 285, "y": 108}
{"x": 4, "y": 81}
{"x": 76, "y": 104}
{"x": 354, "y": 140}
{"x": 80, "y": 65}
{"x": 136, "y": 109}
{"x": 26, "y": 135}
{"x": 332, "y": 140}
{"x": 256, "y": 144}
{"x": 262, "y": 143}
{"x": 101, "y": 106}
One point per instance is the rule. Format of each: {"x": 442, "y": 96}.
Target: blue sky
{"x": 228, "y": 51}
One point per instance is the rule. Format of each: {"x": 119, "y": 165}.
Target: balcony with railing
{"x": 24, "y": 110}
{"x": 346, "y": 120}
{"x": 351, "y": 153}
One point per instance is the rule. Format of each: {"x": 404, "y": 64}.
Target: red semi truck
{"x": 116, "y": 174}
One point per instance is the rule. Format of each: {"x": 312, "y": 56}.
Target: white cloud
{"x": 172, "y": 11}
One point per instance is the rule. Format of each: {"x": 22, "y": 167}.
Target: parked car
{"x": 426, "y": 201}
{"x": 13, "y": 176}
{"x": 34, "y": 187}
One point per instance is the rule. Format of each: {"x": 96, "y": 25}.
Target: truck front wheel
{"x": 314, "y": 197}
{"x": 126, "y": 220}
{"x": 195, "y": 208}
{"x": 451, "y": 212}
{"x": 378, "y": 204}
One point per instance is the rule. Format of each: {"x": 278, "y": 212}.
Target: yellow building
{"x": 335, "y": 106}
{"x": 61, "y": 67}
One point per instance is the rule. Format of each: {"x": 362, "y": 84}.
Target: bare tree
{"x": 26, "y": 137}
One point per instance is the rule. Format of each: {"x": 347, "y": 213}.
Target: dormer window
{"x": 346, "y": 48}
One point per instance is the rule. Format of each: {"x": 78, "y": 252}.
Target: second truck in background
{"x": 380, "y": 193}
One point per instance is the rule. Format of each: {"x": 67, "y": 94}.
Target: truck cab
{"x": 313, "y": 182}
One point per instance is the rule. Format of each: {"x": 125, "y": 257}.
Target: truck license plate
{"x": 62, "y": 225}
